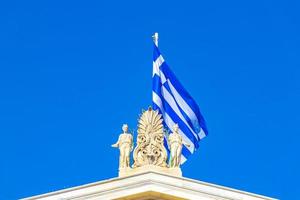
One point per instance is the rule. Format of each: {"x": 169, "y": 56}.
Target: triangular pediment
{"x": 147, "y": 186}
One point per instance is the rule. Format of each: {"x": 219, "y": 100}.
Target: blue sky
{"x": 72, "y": 72}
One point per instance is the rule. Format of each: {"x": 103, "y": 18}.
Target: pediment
{"x": 149, "y": 186}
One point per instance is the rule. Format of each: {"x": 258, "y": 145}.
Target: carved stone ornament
{"x": 150, "y": 148}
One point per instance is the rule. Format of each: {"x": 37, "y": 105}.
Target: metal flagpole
{"x": 155, "y": 39}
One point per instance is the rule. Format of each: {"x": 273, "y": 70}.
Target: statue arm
{"x": 117, "y": 143}
{"x": 186, "y": 144}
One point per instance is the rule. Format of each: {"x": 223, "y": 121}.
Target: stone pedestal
{"x": 123, "y": 172}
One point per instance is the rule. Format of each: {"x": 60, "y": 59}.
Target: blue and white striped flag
{"x": 176, "y": 105}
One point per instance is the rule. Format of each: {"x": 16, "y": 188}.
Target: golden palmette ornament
{"x": 150, "y": 148}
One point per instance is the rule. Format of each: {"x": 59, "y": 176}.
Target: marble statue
{"x": 125, "y": 145}
{"x": 175, "y": 144}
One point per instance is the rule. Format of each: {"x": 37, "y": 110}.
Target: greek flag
{"x": 176, "y": 105}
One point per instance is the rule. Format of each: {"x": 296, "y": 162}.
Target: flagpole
{"x": 155, "y": 39}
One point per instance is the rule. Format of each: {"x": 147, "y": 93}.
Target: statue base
{"x": 150, "y": 168}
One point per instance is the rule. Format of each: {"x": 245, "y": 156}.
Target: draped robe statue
{"x": 175, "y": 144}
{"x": 125, "y": 145}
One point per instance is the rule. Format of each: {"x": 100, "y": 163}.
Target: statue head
{"x": 125, "y": 128}
{"x": 175, "y": 128}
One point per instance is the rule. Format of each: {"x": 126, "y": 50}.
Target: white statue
{"x": 125, "y": 144}
{"x": 175, "y": 145}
